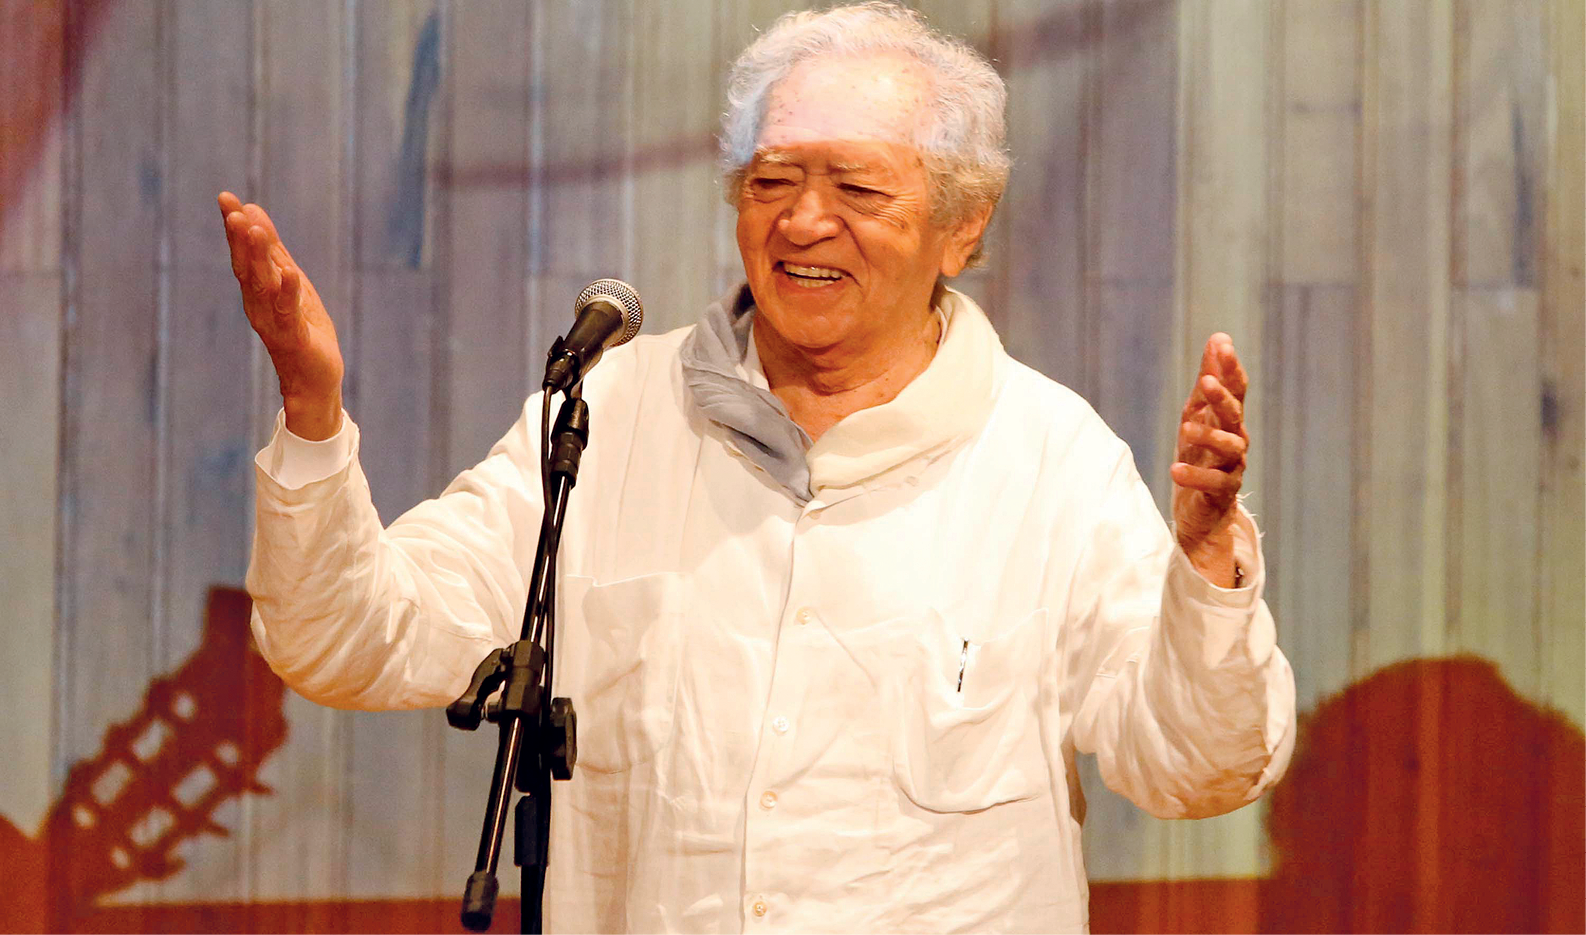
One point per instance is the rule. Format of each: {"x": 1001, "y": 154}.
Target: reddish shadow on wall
{"x": 197, "y": 740}
{"x": 1429, "y": 797}
{"x": 42, "y": 45}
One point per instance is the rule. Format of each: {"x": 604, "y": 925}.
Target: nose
{"x": 810, "y": 219}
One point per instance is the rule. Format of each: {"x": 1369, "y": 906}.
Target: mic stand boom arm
{"x": 539, "y": 734}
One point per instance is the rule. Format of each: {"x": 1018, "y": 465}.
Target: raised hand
{"x": 287, "y": 314}
{"x": 1210, "y": 465}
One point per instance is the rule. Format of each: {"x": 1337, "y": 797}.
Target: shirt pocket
{"x": 967, "y": 735}
{"x": 625, "y": 648}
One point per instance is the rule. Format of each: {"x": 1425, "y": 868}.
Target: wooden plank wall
{"x": 1381, "y": 201}
{"x": 32, "y": 319}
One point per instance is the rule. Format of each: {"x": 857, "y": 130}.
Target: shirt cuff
{"x": 1224, "y": 615}
{"x": 294, "y": 462}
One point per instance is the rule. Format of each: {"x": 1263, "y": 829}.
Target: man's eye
{"x": 766, "y": 185}
{"x": 860, "y": 190}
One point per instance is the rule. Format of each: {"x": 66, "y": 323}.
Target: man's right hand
{"x": 290, "y": 319}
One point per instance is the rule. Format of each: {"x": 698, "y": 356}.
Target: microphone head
{"x": 619, "y": 294}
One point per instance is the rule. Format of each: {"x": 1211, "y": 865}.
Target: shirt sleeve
{"x": 1178, "y": 685}
{"x": 294, "y": 462}
{"x": 355, "y": 616}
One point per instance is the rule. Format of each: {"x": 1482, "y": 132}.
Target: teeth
{"x": 813, "y": 272}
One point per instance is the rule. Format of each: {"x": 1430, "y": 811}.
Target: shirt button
{"x": 768, "y": 801}
{"x": 780, "y": 725}
{"x": 805, "y": 615}
{"x": 760, "y": 908}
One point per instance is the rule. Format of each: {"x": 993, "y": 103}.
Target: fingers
{"x": 1230, "y": 412}
{"x": 1212, "y": 441}
{"x": 237, "y": 241}
{"x": 1211, "y": 354}
{"x": 240, "y": 219}
{"x": 1220, "y": 360}
{"x": 1232, "y": 373}
{"x": 1202, "y": 444}
{"x": 266, "y": 275}
{"x": 1216, "y": 483}
{"x": 258, "y": 217}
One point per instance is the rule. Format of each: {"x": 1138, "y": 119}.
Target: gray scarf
{"x": 754, "y": 419}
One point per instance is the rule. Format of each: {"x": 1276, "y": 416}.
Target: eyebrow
{"x": 777, "y": 157}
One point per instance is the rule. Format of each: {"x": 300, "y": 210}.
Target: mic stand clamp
{"x": 511, "y": 687}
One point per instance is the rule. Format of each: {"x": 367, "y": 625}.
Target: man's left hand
{"x": 1210, "y": 464}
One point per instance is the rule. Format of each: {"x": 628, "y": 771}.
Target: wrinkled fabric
{"x": 855, "y": 713}
{"x": 712, "y": 359}
{"x": 939, "y": 409}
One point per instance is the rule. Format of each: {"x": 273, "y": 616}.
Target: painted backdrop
{"x": 1380, "y": 199}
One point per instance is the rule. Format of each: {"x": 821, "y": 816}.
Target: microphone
{"x": 607, "y": 313}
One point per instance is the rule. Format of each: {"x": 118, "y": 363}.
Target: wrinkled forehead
{"x": 881, "y": 98}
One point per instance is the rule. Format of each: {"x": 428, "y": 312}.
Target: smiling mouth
{"x": 811, "y": 277}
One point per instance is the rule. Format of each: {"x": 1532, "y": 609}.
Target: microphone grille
{"x": 619, "y": 292}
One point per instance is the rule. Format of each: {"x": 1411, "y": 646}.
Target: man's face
{"x": 834, "y": 215}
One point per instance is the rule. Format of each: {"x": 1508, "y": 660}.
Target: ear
{"x": 962, "y": 240}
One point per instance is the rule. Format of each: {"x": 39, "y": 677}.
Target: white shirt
{"x": 859, "y": 714}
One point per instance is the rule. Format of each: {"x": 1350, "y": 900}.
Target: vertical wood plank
{"x": 394, "y": 797}
{"x": 1307, "y": 545}
{"x": 1318, "y": 204}
{"x": 299, "y": 834}
{"x": 1129, "y": 211}
{"x": 672, "y": 160}
{"x": 30, "y": 356}
{"x": 1407, "y": 133}
{"x": 1131, "y": 205}
{"x": 1225, "y": 71}
{"x": 487, "y": 239}
{"x": 32, "y": 97}
{"x": 1499, "y": 133}
{"x": 580, "y": 161}
{"x": 1497, "y": 444}
{"x": 1493, "y": 500}
{"x": 206, "y": 341}
{"x": 1041, "y": 311}
{"x": 490, "y": 46}
{"x": 32, "y": 110}
{"x": 111, "y": 404}
{"x": 1310, "y": 362}
{"x": 1560, "y": 547}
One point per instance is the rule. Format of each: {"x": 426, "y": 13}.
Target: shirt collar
{"x": 942, "y": 407}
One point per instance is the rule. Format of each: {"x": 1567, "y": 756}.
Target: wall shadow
{"x": 196, "y": 741}
{"x": 1428, "y": 797}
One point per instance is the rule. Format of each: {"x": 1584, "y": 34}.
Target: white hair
{"x": 962, "y": 139}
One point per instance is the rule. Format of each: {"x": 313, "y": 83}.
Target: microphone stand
{"x": 539, "y": 734}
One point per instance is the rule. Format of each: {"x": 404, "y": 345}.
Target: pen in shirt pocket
{"x": 963, "y": 663}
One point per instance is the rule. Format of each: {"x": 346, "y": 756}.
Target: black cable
{"x": 536, "y": 611}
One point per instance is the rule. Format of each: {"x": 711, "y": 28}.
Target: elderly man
{"x": 848, "y": 589}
